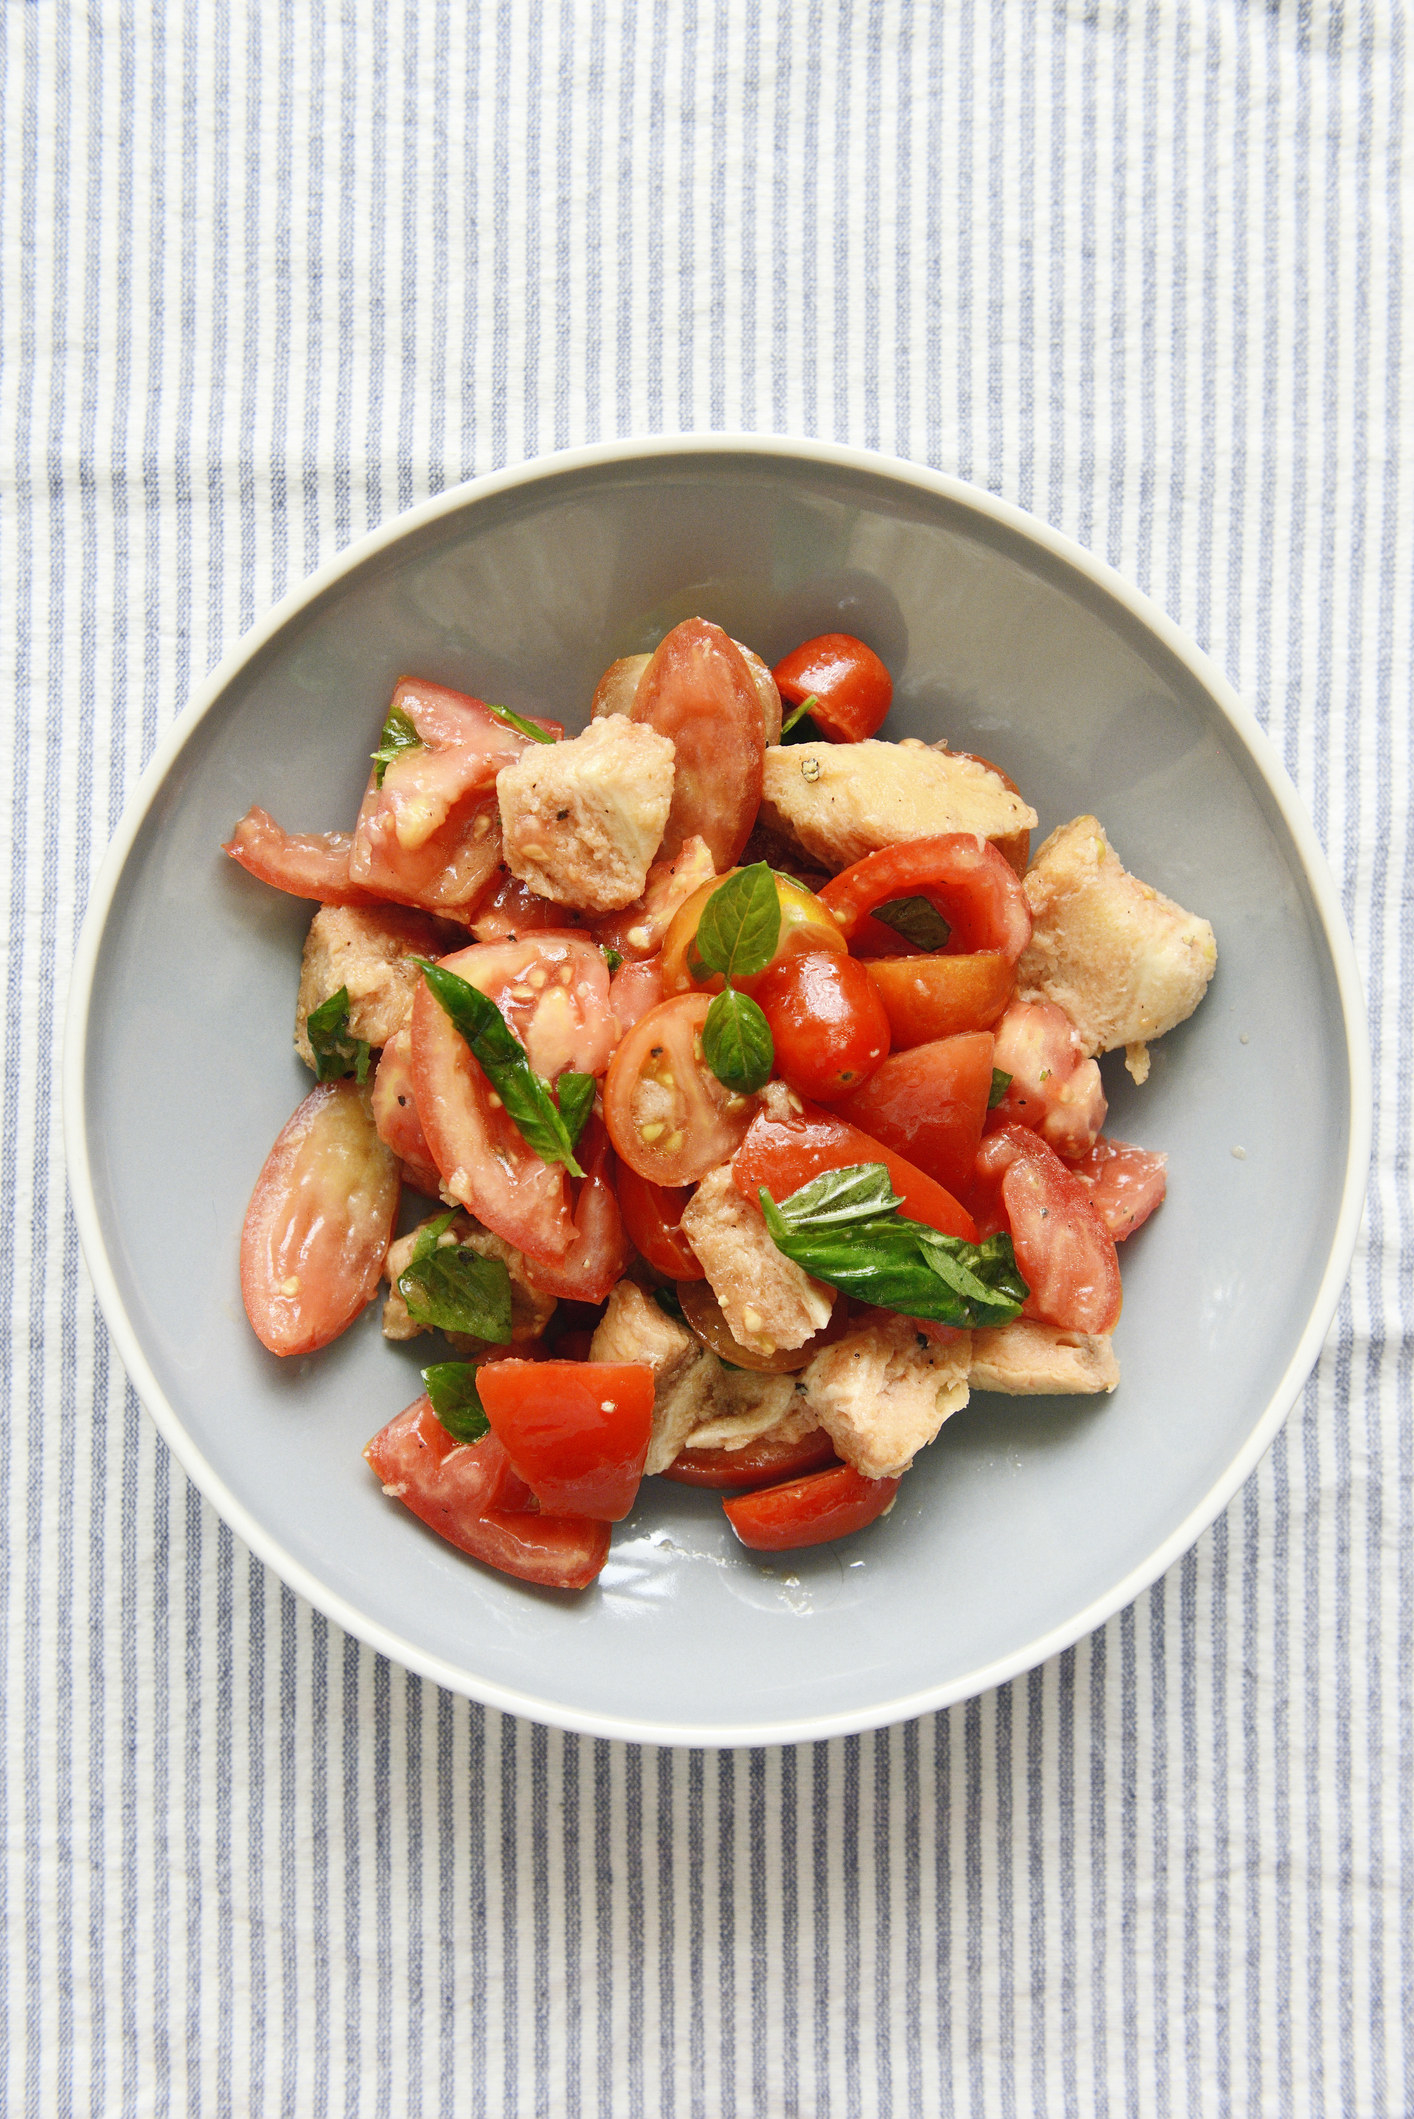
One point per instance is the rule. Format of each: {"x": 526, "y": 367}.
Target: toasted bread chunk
{"x": 530, "y": 1310}
{"x": 582, "y": 820}
{"x": 368, "y": 950}
{"x": 749, "y": 1403}
{"x": 634, "y": 1328}
{"x": 767, "y": 1299}
{"x": 1122, "y": 960}
{"x": 882, "y": 1393}
{"x": 841, "y": 801}
{"x": 1025, "y": 1359}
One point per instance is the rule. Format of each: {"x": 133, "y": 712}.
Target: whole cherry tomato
{"x": 810, "y": 1511}
{"x": 653, "y": 1218}
{"x": 828, "y": 1024}
{"x": 576, "y": 1431}
{"x": 851, "y": 688}
{"x": 930, "y": 1104}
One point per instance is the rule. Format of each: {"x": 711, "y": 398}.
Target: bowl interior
{"x": 1026, "y": 1514}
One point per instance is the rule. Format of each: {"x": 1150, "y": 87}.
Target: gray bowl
{"x": 1030, "y": 1520}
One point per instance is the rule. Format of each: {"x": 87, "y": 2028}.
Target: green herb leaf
{"x": 798, "y": 713}
{"x": 398, "y": 735}
{"x": 575, "y": 1095}
{"x": 451, "y": 1385}
{"x": 1000, "y": 1084}
{"x": 741, "y": 923}
{"x": 519, "y": 723}
{"x": 917, "y": 920}
{"x": 501, "y": 1055}
{"x": 452, "y": 1287}
{"x": 882, "y": 1257}
{"x": 612, "y": 957}
{"x": 431, "y": 1234}
{"x": 336, "y": 1054}
{"x": 668, "y": 1303}
{"x": 736, "y": 1042}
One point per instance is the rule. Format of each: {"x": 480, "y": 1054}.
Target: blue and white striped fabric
{"x": 273, "y": 269}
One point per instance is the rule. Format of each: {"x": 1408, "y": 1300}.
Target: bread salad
{"x": 747, "y": 1063}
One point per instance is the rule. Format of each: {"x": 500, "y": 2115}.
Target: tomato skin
{"x": 977, "y": 891}
{"x": 806, "y": 928}
{"x": 509, "y": 909}
{"x": 1125, "y": 1183}
{"x": 785, "y": 1153}
{"x": 308, "y": 864}
{"x": 698, "y": 690}
{"x": 811, "y": 1511}
{"x": 759, "y": 1463}
{"x": 700, "y": 1121}
{"x": 640, "y": 929}
{"x": 930, "y": 1104}
{"x": 633, "y": 990}
{"x": 321, "y": 1217}
{"x": 827, "y": 1022}
{"x": 395, "y": 1114}
{"x": 553, "y": 990}
{"x": 931, "y": 997}
{"x": 852, "y": 689}
{"x": 1064, "y": 1251}
{"x": 1054, "y": 1088}
{"x": 470, "y": 1495}
{"x": 598, "y": 1250}
{"x": 576, "y": 1431}
{"x": 653, "y": 1218}
{"x": 446, "y": 872}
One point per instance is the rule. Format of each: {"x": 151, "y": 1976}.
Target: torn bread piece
{"x": 530, "y": 1310}
{"x": 768, "y": 1301}
{"x": 582, "y": 820}
{"x": 882, "y": 1393}
{"x": 370, "y": 951}
{"x": 1026, "y": 1359}
{"x": 841, "y": 801}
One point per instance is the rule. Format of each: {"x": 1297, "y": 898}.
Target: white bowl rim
{"x": 808, "y": 1728}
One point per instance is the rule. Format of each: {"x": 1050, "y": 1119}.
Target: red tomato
{"x": 553, "y": 990}
{"x": 319, "y": 1222}
{"x": 756, "y": 1463}
{"x": 1125, "y": 1184}
{"x": 784, "y": 1154}
{"x": 851, "y": 687}
{"x": 469, "y": 1494}
{"x": 598, "y": 1250}
{"x": 806, "y": 927}
{"x": 639, "y": 930}
{"x": 827, "y": 1022}
{"x": 445, "y": 872}
{"x": 395, "y": 1114}
{"x": 669, "y": 1117}
{"x": 930, "y": 997}
{"x": 1065, "y": 1252}
{"x": 308, "y": 864}
{"x": 930, "y": 1104}
{"x": 1013, "y": 846}
{"x": 810, "y": 1511}
{"x": 977, "y": 892}
{"x": 1054, "y": 1089}
{"x": 633, "y": 990}
{"x": 508, "y": 909}
{"x": 576, "y": 1431}
{"x": 698, "y": 690}
{"x": 653, "y": 1217}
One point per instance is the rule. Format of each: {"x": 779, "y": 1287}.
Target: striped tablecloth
{"x": 273, "y": 269}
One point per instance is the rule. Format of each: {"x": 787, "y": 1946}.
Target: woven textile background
{"x": 273, "y": 269}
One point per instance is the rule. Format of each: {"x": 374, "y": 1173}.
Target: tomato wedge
{"x": 319, "y": 1222}
{"x": 470, "y": 1495}
{"x": 929, "y": 997}
{"x": 633, "y": 990}
{"x": 827, "y": 1022}
{"x": 553, "y": 990}
{"x": 653, "y": 1218}
{"x": 785, "y": 1153}
{"x": 509, "y": 909}
{"x": 759, "y": 1463}
{"x": 930, "y": 1105}
{"x": 698, "y": 690}
{"x": 851, "y": 689}
{"x": 308, "y": 864}
{"x": 669, "y": 1117}
{"x": 598, "y": 1249}
{"x": 975, "y": 889}
{"x": 576, "y": 1431}
{"x": 811, "y": 1511}
{"x": 1054, "y": 1088}
{"x": 1065, "y": 1252}
{"x": 1125, "y": 1184}
{"x": 395, "y": 1114}
{"x": 639, "y": 930}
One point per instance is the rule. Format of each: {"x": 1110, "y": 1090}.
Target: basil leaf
{"x": 797, "y": 714}
{"x": 501, "y": 1056}
{"x": 453, "y": 1288}
{"x": 451, "y": 1385}
{"x": 741, "y": 923}
{"x": 431, "y": 1234}
{"x": 1000, "y": 1084}
{"x": 336, "y": 1054}
{"x": 575, "y": 1094}
{"x": 861, "y": 1192}
{"x": 519, "y": 723}
{"x": 398, "y": 735}
{"x": 736, "y": 1042}
{"x": 917, "y": 920}
{"x": 991, "y": 1288}
{"x": 612, "y": 957}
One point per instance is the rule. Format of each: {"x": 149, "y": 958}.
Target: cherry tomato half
{"x": 760, "y": 1463}
{"x": 669, "y": 1117}
{"x": 930, "y": 997}
{"x": 470, "y": 1495}
{"x": 698, "y": 690}
{"x": 851, "y": 688}
{"x": 977, "y": 891}
{"x": 1064, "y": 1251}
{"x": 1125, "y": 1184}
{"x": 576, "y": 1431}
{"x": 930, "y": 1104}
{"x": 306, "y": 864}
{"x": 319, "y": 1222}
{"x": 785, "y": 1153}
{"x": 653, "y": 1218}
{"x": 811, "y": 1511}
{"x": 826, "y": 1020}
{"x": 806, "y": 927}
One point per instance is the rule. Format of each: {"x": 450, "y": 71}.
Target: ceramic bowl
{"x": 1029, "y": 1521}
